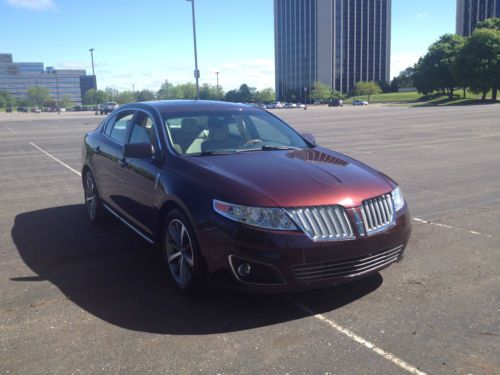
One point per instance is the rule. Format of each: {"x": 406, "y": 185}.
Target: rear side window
{"x": 117, "y": 127}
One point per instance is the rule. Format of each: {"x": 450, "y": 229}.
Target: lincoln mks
{"x": 232, "y": 194}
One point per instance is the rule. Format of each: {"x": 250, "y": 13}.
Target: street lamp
{"x": 92, "y": 59}
{"x": 196, "y": 71}
{"x": 218, "y": 91}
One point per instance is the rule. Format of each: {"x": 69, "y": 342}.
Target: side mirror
{"x": 310, "y": 138}
{"x": 138, "y": 150}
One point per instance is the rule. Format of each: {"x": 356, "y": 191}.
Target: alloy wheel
{"x": 90, "y": 196}
{"x": 179, "y": 251}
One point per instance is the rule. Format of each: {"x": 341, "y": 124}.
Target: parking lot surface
{"x": 76, "y": 298}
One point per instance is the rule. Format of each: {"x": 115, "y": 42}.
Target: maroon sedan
{"x": 233, "y": 194}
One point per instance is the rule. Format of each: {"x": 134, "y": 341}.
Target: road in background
{"x": 79, "y": 298}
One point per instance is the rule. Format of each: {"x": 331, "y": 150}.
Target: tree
{"x": 125, "y": 97}
{"x": 320, "y": 91}
{"x": 38, "y": 95}
{"x": 405, "y": 78}
{"x": 367, "y": 88}
{"x": 208, "y": 92}
{"x": 111, "y": 93}
{"x": 93, "y": 96}
{"x": 65, "y": 102}
{"x": 265, "y": 96}
{"x": 478, "y": 63}
{"x": 247, "y": 94}
{"x": 166, "y": 91}
{"x": 384, "y": 86}
{"x": 6, "y": 100}
{"x": 243, "y": 94}
{"x": 145, "y": 96}
{"x": 489, "y": 23}
{"x": 435, "y": 71}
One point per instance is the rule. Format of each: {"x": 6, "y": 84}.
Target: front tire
{"x": 181, "y": 253}
{"x": 92, "y": 201}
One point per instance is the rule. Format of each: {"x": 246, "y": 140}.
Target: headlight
{"x": 269, "y": 218}
{"x": 397, "y": 198}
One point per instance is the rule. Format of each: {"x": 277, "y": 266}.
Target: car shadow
{"x": 114, "y": 275}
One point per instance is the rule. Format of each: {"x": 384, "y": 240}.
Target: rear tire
{"x": 181, "y": 253}
{"x": 93, "y": 204}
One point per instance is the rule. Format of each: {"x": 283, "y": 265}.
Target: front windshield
{"x": 227, "y": 132}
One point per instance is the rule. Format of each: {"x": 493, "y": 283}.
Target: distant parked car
{"x": 9, "y": 109}
{"x": 23, "y": 109}
{"x": 259, "y": 105}
{"x": 107, "y": 107}
{"x": 336, "y": 103}
{"x": 359, "y": 102}
{"x": 36, "y": 110}
{"x": 301, "y": 105}
{"x": 290, "y": 105}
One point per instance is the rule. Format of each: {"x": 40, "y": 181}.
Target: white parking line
{"x": 450, "y": 227}
{"x": 10, "y": 129}
{"x": 381, "y": 352}
{"x": 56, "y": 159}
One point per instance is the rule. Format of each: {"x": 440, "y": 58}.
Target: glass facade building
{"x": 336, "y": 42}
{"x": 17, "y": 78}
{"x": 470, "y": 12}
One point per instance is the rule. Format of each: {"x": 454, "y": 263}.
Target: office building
{"x": 17, "y": 78}
{"x": 470, "y": 12}
{"x": 336, "y": 42}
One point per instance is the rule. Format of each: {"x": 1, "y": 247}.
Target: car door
{"x": 106, "y": 153}
{"x": 137, "y": 178}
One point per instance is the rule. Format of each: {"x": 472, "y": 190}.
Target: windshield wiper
{"x": 272, "y": 148}
{"x": 208, "y": 153}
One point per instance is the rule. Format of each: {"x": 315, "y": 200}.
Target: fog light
{"x": 244, "y": 269}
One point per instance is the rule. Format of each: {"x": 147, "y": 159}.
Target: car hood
{"x": 296, "y": 178}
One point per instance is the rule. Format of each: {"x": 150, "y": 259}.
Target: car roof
{"x": 183, "y": 106}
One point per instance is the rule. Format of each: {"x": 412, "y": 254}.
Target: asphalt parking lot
{"x": 75, "y": 298}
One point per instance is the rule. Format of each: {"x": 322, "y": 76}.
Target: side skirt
{"x": 124, "y": 221}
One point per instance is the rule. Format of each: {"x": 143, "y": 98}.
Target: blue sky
{"x": 146, "y": 42}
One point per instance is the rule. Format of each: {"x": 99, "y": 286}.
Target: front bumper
{"x": 291, "y": 261}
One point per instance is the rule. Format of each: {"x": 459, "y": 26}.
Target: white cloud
{"x": 38, "y": 5}
{"x": 401, "y": 61}
{"x": 257, "y": 73}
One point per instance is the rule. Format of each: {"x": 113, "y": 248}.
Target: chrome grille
{"x": 323, "y": 223}
{"x": 346, "y": 268}
{"x": 378, "y": 213}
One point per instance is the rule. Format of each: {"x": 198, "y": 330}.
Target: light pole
{"x": 218, "y": 91}
{"x": 92, "y": 59}
{"x": 196, "y": 71}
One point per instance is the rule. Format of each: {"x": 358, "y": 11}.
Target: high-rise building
{"x": 336, "y": 42}
{"x": 470, "y": 12}
{"x": 17, "y": 78}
